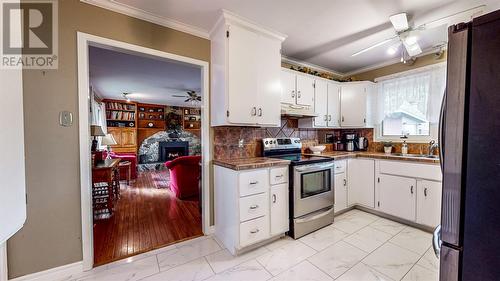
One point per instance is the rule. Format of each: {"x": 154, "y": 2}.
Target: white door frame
{"x": 84, "y": 41}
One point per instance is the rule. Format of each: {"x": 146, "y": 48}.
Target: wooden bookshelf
{"x": 121, "y": 113}
{"x": 191, "y": 118}
{"x": 151, "y": 116}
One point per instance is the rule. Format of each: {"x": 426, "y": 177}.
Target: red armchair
{"x": 185, "y": 172}
{"x": 125, "y": 156}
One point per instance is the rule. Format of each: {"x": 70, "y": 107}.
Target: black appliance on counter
{"x": 468, "y": 239}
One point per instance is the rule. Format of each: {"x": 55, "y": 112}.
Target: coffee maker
{"x": 353, "y": 142}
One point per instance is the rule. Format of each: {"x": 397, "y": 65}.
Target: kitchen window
{"x": 408, "y": 104}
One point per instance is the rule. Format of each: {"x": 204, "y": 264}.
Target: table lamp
{"x": 108, "y": 140}
{"x": 95, "y": 131}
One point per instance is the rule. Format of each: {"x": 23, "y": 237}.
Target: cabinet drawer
{"x": 253, "y": 182}
{"x": 254, "y": 206}
{"x": 278, "y": 175}
{"x": 340, "y": 166}
{"x": 254, "y": 231}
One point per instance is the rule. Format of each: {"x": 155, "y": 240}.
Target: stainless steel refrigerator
{"x": 468, "y": 239}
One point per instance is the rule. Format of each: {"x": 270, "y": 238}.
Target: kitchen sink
{"x": 417, "y": 155}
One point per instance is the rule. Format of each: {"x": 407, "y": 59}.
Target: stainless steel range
{"x": 311, "y": 185}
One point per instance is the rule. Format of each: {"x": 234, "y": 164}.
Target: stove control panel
{"x": 281, "y": 143}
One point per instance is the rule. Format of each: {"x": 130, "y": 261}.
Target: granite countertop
{"x": 339, "y": 155}
{"x": 250, "y": 163}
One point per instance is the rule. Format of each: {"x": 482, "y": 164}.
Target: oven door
{"x": 312, "y": 188}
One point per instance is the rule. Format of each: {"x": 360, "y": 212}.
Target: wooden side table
{"x": 126, "y": 166}
{"x": 104, "y": 177}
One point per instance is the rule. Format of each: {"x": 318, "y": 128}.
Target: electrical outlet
{"x": 240, "y": 143}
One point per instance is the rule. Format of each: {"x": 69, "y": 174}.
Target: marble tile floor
{"x": 357, "y": 246}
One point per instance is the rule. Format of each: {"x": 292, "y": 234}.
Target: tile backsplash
{"x": 245, "y": 142}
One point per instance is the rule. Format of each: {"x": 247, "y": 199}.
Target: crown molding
{"x": 389, "y": 62}
{"x": 234, "y": 18}
{"x": 147, "y": 16}
{"x": 310, "y": 65}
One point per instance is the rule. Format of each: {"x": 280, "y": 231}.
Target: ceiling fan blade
{"x": 178, "y": 96}
{"x": 374, "y": 46}
{"x": 400, "y": 22}
{"x": 187, "y": 100}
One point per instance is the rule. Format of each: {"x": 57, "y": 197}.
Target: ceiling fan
{"x": 408, "y": 35}
{"x": 191, "y": 96}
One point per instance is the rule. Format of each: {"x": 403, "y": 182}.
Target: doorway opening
{"x": 147, "y": 135}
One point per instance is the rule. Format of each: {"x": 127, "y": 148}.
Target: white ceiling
{"x": 320, "y": 32}
{"x": 149, "y": 80}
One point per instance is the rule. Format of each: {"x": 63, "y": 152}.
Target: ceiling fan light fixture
{"x": 126, "y": 97}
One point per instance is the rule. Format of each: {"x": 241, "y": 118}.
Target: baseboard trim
{"x": 55, "y": 273}
{"x": 396, "y": 219}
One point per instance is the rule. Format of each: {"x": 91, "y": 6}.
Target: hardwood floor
{"x": 147, "y": 216}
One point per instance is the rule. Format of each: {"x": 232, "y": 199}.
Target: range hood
{"x": 297, "y": 111}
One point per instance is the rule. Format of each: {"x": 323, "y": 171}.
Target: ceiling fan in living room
{"x": 408, "y": 35}
{"x": 192, "y": 96}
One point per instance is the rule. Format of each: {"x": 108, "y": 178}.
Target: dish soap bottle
{"x": 404, "y": 148}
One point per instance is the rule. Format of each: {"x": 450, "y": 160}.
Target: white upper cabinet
{"x": 288, "y": 86}
{"x": 333, "y": 108}
{"x": 305, "y": 90}
{"x": 353, "y": 103}
{"x": 321, "y": 103}
{"x": 245, "y": 73}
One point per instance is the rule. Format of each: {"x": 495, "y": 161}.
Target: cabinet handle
{"x": 329, "y": 117}
{"x": 254, "y": 231}
{"x": 260, "y": 111}
{"x": 326, "y": 117}
{"x": 342, "y": 118}
{"x": 411, "y": 189}
{"x": 345, "y": 182}
{"x": 279, "y": 176}
{"x": 293, "y": 93}
{"x": 254, "y": 182}
{"x": 253, "y": 207}
{"x": 298, "y": 94}
{"x": 254, "y": 111}
{"x": 274, "y": 198}
{"x": 425, "y": 192}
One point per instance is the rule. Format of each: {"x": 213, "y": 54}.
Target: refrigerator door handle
{"x": 436, "y": 241}
{"x": 441, "y": 133}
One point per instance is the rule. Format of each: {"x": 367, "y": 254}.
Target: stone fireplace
{"x": 164, "y": 146}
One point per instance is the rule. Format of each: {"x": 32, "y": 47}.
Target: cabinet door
{"x": 287, "y": 87}
{"x": 333, "y": 105}
{"x": 397, "y": 196}
{"x": 353, "y": 105}
{"x": 269, "y": 92}
{"x": 340, "y": 192}
{"x": 279, "y": 209}
{"x": 429, "y": 202}
{"x": 242, "y": 75}
{"x": 321, "y": 103}
{"x": 361, "y": 179}
{"x": 305, "y": 90}
{"x": 117, "y": 135}
{"x": 128, "y": 137}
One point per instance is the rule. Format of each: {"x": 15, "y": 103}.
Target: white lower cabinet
{"x": 251, "y": 206}
{"x": 429, "y": 202}
{"x": 361, "y": 178}
{"x": 280, "y": 222}
{"x": 397, "y": 196}
{"x": 340, "y": 186}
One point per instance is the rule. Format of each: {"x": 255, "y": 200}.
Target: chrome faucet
{"x": 432, "y": 147}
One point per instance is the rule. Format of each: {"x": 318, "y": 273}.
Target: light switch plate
{"x": 65, "y": 118}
